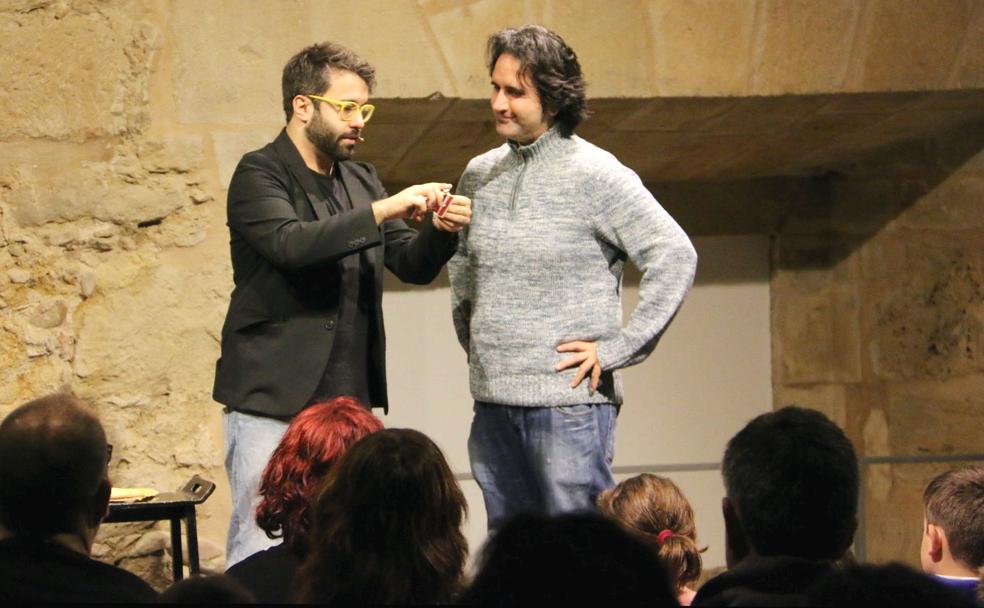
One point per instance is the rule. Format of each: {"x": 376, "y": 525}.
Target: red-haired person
{"x": 655, "y": 510}
{"x": 315, "y": 439}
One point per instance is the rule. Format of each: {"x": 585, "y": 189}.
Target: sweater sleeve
{"x": 460, "y": 274}
{"x": 630, "y": 220}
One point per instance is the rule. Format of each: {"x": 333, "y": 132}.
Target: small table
{"x": 173, "y": 506}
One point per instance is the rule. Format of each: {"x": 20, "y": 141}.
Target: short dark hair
{"x": 954, "y": 501}
{"x": 53, "y": 458}
{"x": 309, "y": 72}
{"x": 792, "y": 476}
{"x": 551, "y": 66}
{"x": 567, "y": 559}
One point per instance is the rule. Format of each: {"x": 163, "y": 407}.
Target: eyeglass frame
{"x": 352, "y": 107}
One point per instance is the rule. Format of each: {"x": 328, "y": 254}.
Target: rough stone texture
{"x": 702, "y": 47}
{"x": 804, "y": 45}
{"x": 912, "y": 231}
{"x": 914, "y": 34}
{"x": 929, "y": 322}
{"x": 969, "y": 68}
{"x": 815, "y": 314}
{"x": 123, "y": 121}
{"x": 72, "y": 70}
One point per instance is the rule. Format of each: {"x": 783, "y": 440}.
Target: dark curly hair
{"x": 316, "y": 438}
{"x": 551, "y": 66}
{"x": 309, "y": 72}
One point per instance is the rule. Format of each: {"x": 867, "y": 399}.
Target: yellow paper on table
{"x": 131, "y": 494}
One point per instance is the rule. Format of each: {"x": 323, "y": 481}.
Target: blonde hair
{"x": 648, "y": 506}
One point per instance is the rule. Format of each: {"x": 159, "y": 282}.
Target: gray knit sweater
{"x": 541, "y": 264}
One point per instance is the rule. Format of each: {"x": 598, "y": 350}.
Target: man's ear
{"x": 936, "y": 539}
{"x": 100, "y": 502}
{"x": 303, "y": 108}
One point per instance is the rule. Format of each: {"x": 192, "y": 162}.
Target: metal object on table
{"x": 173, "y": 506}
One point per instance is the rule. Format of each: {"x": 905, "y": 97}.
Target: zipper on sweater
{"x": 515, "y": 191}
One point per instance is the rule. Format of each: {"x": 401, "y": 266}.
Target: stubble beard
{"x": 325, "y": 141}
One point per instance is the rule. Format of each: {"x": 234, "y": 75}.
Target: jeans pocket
{"x": 579, "y": 410}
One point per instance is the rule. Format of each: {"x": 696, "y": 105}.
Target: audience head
{"x": 211, "y": 590}
{"x": 887, "y": 585}
{"x": 568, "y": 560}
{"x": 387, "y": 525}
{"x": 315, "y": 439}
{"x": 953, "y": 534}
{"x": 53, "y": 477}
{"x": 654, "y": 509}
{"x": 791, "y": 478}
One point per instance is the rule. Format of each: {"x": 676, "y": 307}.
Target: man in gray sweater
{"x": 536, "y": 286}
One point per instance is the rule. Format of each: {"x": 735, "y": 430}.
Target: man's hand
{"x": 456, "y": 217}
{"x": 585, "y": 357}
{"x": 410, "y": 203}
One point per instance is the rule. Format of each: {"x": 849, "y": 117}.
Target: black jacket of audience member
{"x": 37, "y": 571}
{"x": 763, "y": 581}
{"x": 268, "y": 574}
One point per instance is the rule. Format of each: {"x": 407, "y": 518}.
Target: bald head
{"x": 52, "y": 467}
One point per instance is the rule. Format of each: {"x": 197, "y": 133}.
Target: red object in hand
{"x": 441, "y": 208}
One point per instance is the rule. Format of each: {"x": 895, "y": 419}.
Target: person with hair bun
{"x": 654, "y": 509}
{"x": 314, "y": 441}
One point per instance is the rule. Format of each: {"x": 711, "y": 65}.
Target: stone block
{"x": 955, "y": 204}
{"x": 910, "y": 44}
{"x": 816, "y": 337}
{"x": 936, "y": 418}
{"x": 87, "y": 69}
{"x": 175, "y": 153}
{"x": 969, "y": 71}
{"x": 458, "y": 31}
{"x": 231, "y": 75}
{"x": 91, "y": 191}
{"x": 803, "y": 46}
{"x": 614, "y": 49}
{"x": 928, "y": 321}
{"x": 815, "y": 319}
{"x": 702, "y": 47}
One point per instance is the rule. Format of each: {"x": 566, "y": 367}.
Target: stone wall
{"x": 878, "y": 320}
{"x": 123, "y": 119}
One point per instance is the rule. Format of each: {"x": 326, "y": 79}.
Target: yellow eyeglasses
{"x": 347, "y": 109}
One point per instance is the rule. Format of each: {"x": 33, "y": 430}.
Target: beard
{"x": 326, "y": 141}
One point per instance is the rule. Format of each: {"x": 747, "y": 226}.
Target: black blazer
{"x": 286, "y": 254}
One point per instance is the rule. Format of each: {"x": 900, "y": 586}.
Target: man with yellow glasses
{"x": 311, "y": 231}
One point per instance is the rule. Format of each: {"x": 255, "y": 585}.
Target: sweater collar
{"x": 544, "y": 145}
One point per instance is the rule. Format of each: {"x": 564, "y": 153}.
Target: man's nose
{"x": 357, "y": 121}
{"x": 498, "y": 101}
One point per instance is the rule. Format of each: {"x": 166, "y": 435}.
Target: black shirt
{"x": 36, "y": 571}
{"x": 347, "y": 372}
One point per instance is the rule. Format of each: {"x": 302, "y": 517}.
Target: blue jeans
{"x": 541, "y": 460}
{"x": 249, "y": 442}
